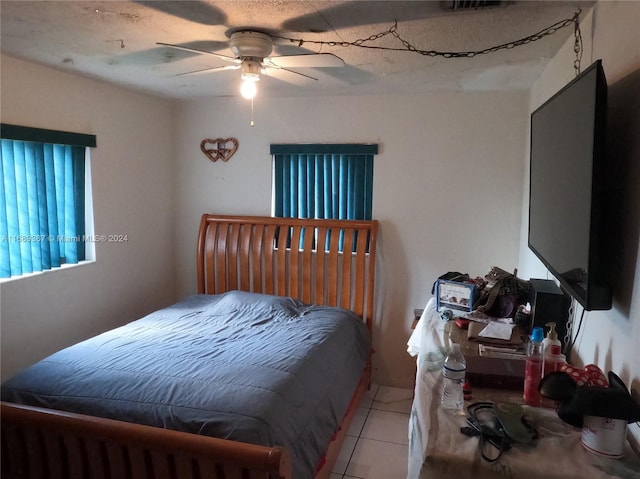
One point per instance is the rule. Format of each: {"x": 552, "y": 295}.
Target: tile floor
{"x": 376, "y": 444}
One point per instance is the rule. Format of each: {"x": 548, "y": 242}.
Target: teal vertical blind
{"x": 42, "y": 205}
{"x": 323, "y": 181}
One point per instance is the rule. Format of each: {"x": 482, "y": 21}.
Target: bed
{"x": 281, "y": 324}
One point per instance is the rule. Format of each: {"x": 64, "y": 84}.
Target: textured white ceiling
{"x": 116, "y": 41}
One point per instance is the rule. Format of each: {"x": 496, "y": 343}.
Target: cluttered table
{"x": 438, "y": 450}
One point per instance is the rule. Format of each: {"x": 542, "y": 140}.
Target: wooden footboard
{"x": 49, "y": 444}
{"x": 40, "y": 443}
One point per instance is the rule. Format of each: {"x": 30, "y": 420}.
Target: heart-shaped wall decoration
{"x": 219, "y": 149}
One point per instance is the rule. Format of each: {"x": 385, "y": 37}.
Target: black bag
{"x": 502, "y": 293}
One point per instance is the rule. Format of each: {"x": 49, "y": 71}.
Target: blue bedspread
{"x": 243, "y": 366}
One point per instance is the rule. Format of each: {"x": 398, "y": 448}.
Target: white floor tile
{"x": 378, "y": 460}
{"x": 359, "y": 417}
{"x": 376, "y": 444}
{"x": 386, "y": 426}
{"x": 348, "y": 445}
{"x": 393, "y": 399}
{"x": 368, "y": 396}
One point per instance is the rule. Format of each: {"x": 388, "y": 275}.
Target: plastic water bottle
{"x": 453, "y": 373}
{"x": 533, "y": 368}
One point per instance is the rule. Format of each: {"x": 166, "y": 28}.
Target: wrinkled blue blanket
{"x": 243, "y": 366}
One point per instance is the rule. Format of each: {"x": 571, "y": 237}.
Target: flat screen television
{"x": 568, "y": 184}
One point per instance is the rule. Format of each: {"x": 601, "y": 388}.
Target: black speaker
{"x": 549, "y": 304}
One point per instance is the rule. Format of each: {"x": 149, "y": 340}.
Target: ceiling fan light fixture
{"x": 251, "y": 68}
{"x": 248, "y": 87}
{"x": 250, "y": 76}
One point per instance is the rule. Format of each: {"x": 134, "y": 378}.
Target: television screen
{"x": 567, "y": 187}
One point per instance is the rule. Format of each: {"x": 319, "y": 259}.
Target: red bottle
{"x": 533, "y": 368}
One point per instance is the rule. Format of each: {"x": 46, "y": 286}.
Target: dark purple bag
{"x": 502, "y": 294}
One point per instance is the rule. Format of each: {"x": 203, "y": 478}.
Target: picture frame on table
{"x": 455, "y": 295}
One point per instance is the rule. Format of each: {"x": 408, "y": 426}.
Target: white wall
{"x": 610, "y": 339}
{"x": 447, "y": 186}
{"x": 133, "y": 195}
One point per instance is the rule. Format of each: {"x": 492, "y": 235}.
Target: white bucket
{"x": 604, "y": 436}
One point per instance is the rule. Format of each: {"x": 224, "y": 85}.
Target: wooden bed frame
{"x": 281, "y": 256}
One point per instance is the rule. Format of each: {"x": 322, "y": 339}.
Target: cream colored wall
{"x": 447, "y": 186}
{"x": 133, "y": 195}
{"x": 610, "y": 339}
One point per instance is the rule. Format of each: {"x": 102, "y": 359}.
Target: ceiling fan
{"x": 251, "y": 51}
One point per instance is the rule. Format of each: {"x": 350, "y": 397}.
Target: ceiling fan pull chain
{"x": 252, "y": 122}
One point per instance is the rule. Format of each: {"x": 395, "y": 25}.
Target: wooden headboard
{"x": 328, "y": 262}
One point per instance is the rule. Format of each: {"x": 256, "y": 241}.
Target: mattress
{"x": 243, "y": 366}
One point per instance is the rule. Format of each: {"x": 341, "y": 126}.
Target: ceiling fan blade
{"x": 211, "y": 70}
{"x": 289, "y": 76}
{"x": 204, "y": 52}
{"x": 314, "y": 60}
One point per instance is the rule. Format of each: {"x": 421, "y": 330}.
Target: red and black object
{"x": 466, "y": 390}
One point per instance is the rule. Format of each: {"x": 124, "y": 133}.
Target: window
{"x": 323, "y": 181}
{"x": 42, "y": 199}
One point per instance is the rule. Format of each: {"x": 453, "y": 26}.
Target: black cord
{"x": 488, "y": 434}
{"x": 501, "y": 449}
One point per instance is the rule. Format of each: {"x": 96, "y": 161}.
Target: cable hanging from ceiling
{"x": 408, "y": 47}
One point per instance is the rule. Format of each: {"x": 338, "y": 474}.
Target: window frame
{"x": 42, "y": 136}
{"x": 323, "y": 149}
